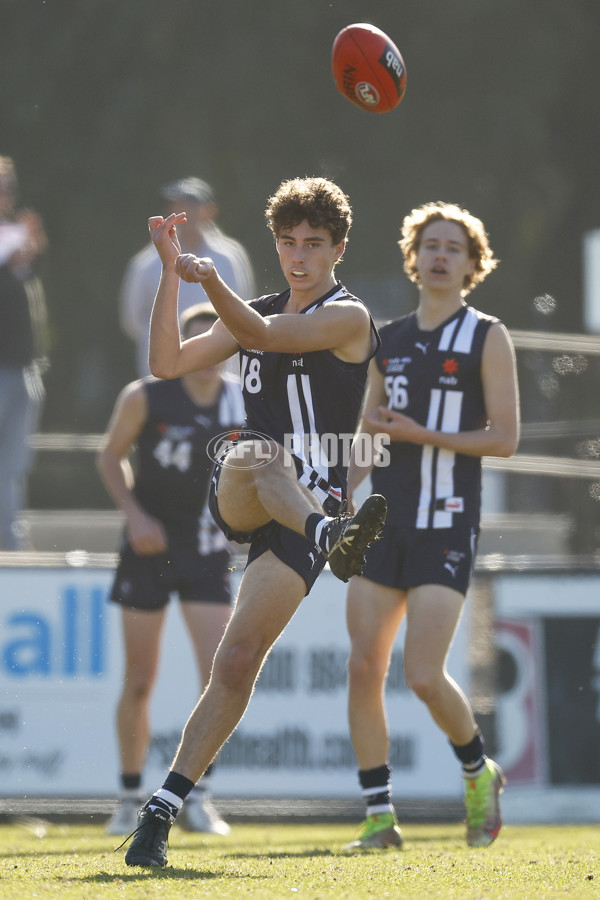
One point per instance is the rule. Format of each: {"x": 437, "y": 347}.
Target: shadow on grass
{"x": 170, "y": 873}
{"x": 44, "y": 852}
{"x": 283, "y": 854}
{"x": 442, "y": 838}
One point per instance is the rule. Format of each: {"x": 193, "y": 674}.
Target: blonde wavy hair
{"x": 479, "y": 248}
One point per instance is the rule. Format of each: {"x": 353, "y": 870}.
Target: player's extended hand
{"x": 398, "y": 426}
{"x": 163, "y": 234}
{"x": 194, "y": 268}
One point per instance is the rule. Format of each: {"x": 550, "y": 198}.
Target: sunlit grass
{"x": 74, "y": 861}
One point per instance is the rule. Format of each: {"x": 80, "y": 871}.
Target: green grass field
{"x": 78, "y": 861}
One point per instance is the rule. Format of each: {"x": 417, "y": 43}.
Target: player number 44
{"x": 174, "y": 453}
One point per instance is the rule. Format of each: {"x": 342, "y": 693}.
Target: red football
{"x": 368, "y": 68}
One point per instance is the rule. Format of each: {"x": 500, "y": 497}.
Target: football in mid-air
{"x": 368, "y": 68}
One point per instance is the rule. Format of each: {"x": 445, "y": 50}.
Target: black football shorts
{"x": 146, "y": 582}
{"x": 291, "y": 548}
{"x": 406, "y": 557}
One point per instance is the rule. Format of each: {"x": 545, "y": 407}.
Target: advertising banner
{"x": 548, "y": 704}
{"x": 60, "y": 674}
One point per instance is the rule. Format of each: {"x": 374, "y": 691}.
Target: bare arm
{"x": 499, "y": 437}
{"x": 342, "y": 327}
{"x": 146, "y": 534}
{"x": 170, "y": 357}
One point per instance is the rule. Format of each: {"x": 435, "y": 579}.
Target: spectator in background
{"x": 199, "y": 235}
{"x": 171, "y": 544}
{"x": 22, "y": 351}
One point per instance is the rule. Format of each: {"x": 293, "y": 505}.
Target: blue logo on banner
{"x": 72, "y": 645}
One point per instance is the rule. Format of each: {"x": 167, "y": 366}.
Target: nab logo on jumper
{"x": 440, "y": 387}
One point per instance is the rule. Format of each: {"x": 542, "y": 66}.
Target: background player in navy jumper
{"x": 304, "y": 358}
{"x": 443, "y": 386}
{"x": 170, "y": 544}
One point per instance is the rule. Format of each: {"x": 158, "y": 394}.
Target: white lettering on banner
{"x": 61, "y": 664}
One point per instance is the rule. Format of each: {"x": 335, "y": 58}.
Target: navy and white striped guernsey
{"x": 433, "y": 377}
{"x": 173, "y": 467}
{"x": 297, "y": 398}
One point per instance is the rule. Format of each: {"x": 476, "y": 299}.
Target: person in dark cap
{"x": 200, "y": 236}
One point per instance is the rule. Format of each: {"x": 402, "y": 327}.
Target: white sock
{"x": 168, "y": 801}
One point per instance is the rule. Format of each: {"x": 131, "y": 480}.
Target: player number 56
{"x": 395, "y": 389}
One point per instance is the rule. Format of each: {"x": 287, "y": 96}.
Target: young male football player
{"x": 443, "y": 386}
{"x": 170, "y": 544}
{"x": 304, "y": 358}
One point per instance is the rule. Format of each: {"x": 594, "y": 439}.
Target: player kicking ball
{"x": 304, "y": 357}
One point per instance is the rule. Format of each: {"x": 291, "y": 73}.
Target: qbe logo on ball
{"x": 254, "y": 447}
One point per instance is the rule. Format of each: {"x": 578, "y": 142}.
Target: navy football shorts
{"x": 291, "y": 548}
{"x": 406, "y": 557}
{"x": 145, "y": 582}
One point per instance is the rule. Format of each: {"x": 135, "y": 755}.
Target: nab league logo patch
{"x": 396, "y": 364}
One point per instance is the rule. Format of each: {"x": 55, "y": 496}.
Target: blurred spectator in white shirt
{"x": 199, "y": 235}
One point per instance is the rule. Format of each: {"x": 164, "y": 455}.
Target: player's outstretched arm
{"x": 343, "y": 327}
{"x": 169, "y": 356}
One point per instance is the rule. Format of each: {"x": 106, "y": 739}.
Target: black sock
{"x": 377, "y": 789}
{"x": 178, "y": 784}
{"x": 471, "y": 755}
{"x": 172, "y": 794}
{"x": 131, "y": 782}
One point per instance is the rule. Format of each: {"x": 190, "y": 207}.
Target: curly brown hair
{"x": 318, "y": 201}
{"x": 479, "y": 248}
